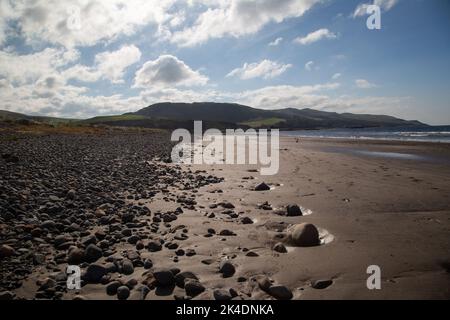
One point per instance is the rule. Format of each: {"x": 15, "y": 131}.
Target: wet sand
{"x": 393, "y": 212}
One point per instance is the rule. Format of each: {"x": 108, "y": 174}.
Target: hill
{"x": 289, "y": 118}
{"x": 223, "y": 116}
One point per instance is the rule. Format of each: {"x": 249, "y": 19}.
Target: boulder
{"x": 304, "y": 235}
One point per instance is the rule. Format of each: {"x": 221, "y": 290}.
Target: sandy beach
{"x": 374, "y": 203}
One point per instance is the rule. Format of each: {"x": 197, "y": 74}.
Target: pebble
{"x": 148, "y": 264}
{"x": 111, "y": 288}
{"x": 127, "y": 267}
{"x": 193, "y": 287}
{"x": 164, "y": 277}
{"x": 94, "y": 273}
{"x": 6, "y": 251}
{"x": 252, "y": 254}
{"x": 227, "y": 269}
{"x": 154, "y": 246}
{"x": 222, "y": 295}
{"x": 227, "y": 232}
{"x": 321, "y": 284}
{"x": 264, "y": 283}
{"x": 92, "y": 253}
{"x": 262, "y": 187}
{"x": 293, "y": 210}
{"x": 247, "y": 220}
{"x": 280, "y": 292}
{"x": 190, "y": 252}
{"x": 280, "y": 248}
{"x": 181, "y": 277}
{"x": 123, "y": 293}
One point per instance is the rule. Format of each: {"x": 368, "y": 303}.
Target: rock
{"x": 94, "y": 273}
{"x": 280, "y": 292}
{"x": 48, "y": 224}
{"x": 164, "y": 277}
{"x": 279, "y": 247}
{"x": 222, "y": 295}
{"x": 183, "y": 276}
{"x": 6, "y": 295}
{"x": 71, "y": 194}
{"x": 293, "y": 210}
{"x": 321, "y": 284}
{"x": 227, "y": 232}
{"x": 227, "y": 269}
{"x": 262, "y": 187}
{"x": 99, "y": 213}
{"x": 100, "y": 234}
{"x": 110, "y": 267}
{"x": 76, "y": 256}
{"x": 227, "y": 205}
{"x": 140, "y": 245}
{"x": 127, "y": 267}
{"x": 91, "y": 239}
{"x": 247, "y": 220}
{"x": 193, "y": 287}
{"x": 38, "y": 259}
{"x": 264, "y": 283}
{"x": 143, "y": 291}
{"x": 111, "y": 288}
{"x": 93, "y": 253}
{"x": 127, "y": 232}
{"x": 61, "y": 239}
{"x": 6, "y": 251}
{"x": 190, "y": 252}
{"x": 304, "y": 235}
{"x": 154, "y": 246}
{"x": 131, "y": 283}
{"x": 123, "y": 293}
{"x": 251, "y": 254}
{"x": 148, "y": 264}
{"x": 265, "y": 206}
{"x": 46, "y": 284}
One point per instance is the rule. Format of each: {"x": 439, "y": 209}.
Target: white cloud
{"x": 236, "y": 18}
{"x": 83, "y": 22}
{"x": 23, "y": 69}
{"x": 386, "y": 5}
{"x": 108, "y": 65}
{"x": 276, "y": 97}
{"x": 266, "y": 69}
{"x": 364, "y": 84}
{"x": 316, "y": 36}
{"x": 336, "y": 76}
{"x": 275, "y": 42}
{"x": 168, "y": 71}
{"x": 309, "y": 65}
{"x": 112, "y": 65}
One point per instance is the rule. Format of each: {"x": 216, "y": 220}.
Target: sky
{"x": 84, "y": 58}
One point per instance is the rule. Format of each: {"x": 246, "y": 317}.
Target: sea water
{"x": 424, "y": 134}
